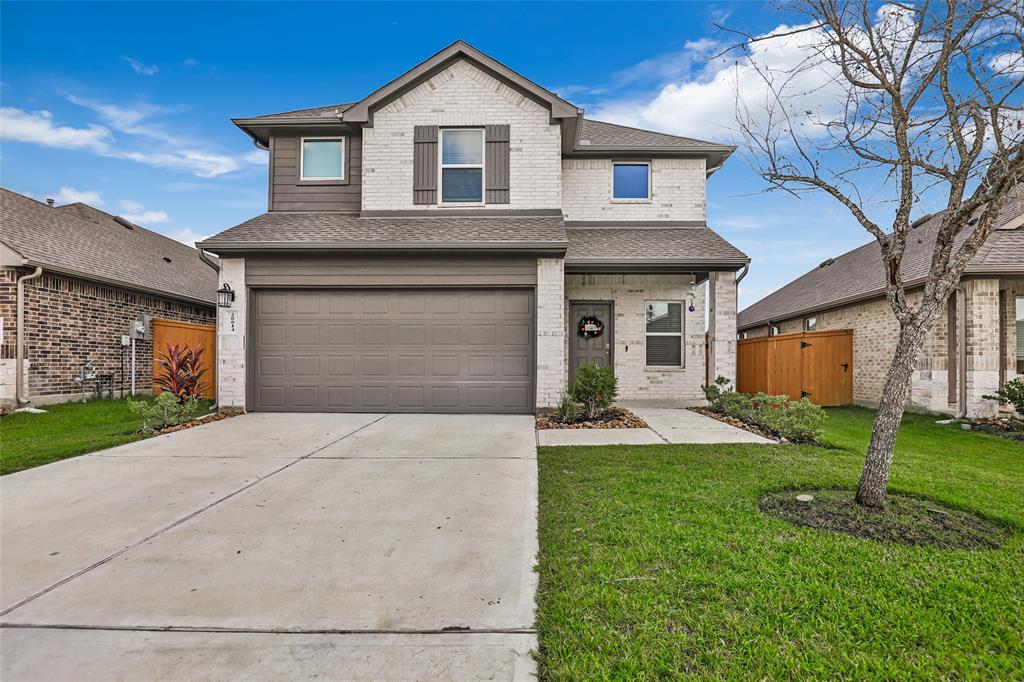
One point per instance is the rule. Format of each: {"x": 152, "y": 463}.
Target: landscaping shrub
{"x": 181, "y": 372}
{"x": 594, "y": 389}
{"x": 1012, "y": 392}
{"x": 714, "y": 392}
{"x": 568, "y": 411}
{"x": 795, "y": 420}
{"x": 163, "y": 411}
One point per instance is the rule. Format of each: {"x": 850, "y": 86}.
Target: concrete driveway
{"x": 272, "y": 545}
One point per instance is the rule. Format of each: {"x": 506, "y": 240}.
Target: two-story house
{"x": 460, "y": 240}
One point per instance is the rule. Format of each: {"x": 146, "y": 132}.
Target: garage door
{"x": 358, "y": 350}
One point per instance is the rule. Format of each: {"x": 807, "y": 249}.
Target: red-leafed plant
{"x": 181, "y": 372}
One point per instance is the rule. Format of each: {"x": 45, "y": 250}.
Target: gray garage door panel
{"x": 446, "y": 350}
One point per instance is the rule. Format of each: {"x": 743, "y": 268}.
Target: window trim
{"x": 441, "y": 165}
{"x": 342, "y": 179}
{"x": 681, "y": 334}
{"x": 650, "y": 181}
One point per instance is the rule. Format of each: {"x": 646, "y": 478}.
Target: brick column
{"x": 982, "y": 297}
{"x": 722, "y": 326}
{"x": 551, "y": 366}
{"x": 231, "y": 332}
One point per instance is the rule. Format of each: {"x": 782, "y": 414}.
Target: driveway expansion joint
{"x": 272, "y": 631}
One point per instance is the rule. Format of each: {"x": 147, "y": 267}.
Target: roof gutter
{"x": 19, "y": 365}
{"x": 237, "y": 247}
{"x": 206, "y": 259}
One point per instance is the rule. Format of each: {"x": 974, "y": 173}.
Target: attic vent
{"x": 827, "y": 262}
{"x": 166, "y": 259}
{"x": 972, "y": 221}
{"x": 923, "y": 219}
{"x": 124, "y": 223}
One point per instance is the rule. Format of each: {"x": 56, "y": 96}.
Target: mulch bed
{"x": 1004, "y": 428}
{"x": 612, "y": 418}
{"x": 739, "y": 424}
{"x": 198, "y": 421}
{"x": 904, "y": 519}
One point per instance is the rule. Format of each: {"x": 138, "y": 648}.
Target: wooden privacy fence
{"x": 173, "y": 333}
{"x": 815, "y": 365}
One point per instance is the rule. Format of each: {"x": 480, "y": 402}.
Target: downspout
{"x": 206, "y": 259}
{"x": 961, "y": 353}
{"x": 746, "y": 269}
{"x": 19, "y": 364}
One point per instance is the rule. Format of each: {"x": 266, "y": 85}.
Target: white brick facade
{"x": 231, "y": 334}
{"x": 462, "y": 95}
{"x": 722, "y": 326}
{"x": 551, "y": 364}
{"x": 677, "y": 191}
{"x": 630, "y": 294}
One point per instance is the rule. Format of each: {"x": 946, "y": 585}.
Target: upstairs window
{"x": 462, "y": 166}
{"x": 323, "y": 158}
{"x": 664, "y": 334}
{"x": 631, "y": 181}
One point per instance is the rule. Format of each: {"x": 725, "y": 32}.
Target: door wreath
{"x": 590, "y": 327}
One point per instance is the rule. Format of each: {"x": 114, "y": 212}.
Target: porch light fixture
{"x": 225, "y": 296}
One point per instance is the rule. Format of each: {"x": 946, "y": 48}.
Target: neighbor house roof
{"x": 612, "y": 136}
{"x": 858, "y": 274}
{"x": 332, "y": 230}
{"x": 651, "y": 245}
{"x": 84, "y": 242}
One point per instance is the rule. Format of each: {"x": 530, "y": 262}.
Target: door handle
{"x": 845, "y": 366}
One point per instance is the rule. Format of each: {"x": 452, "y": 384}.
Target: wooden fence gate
{"x": 171, "y": 332}
{"x": 815, "y": 365}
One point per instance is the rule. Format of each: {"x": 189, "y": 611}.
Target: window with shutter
{"x": 497, "y": 164}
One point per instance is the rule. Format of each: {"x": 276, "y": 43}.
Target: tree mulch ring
{"x": 738, "y": 423}
{"x": 612, "y": 418}
{"x": 905, "y": 519}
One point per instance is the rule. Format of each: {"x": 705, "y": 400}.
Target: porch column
{"x": 722, "y": 326}
{"x": 231, "y": 327}
{"x": 551, "y": 367}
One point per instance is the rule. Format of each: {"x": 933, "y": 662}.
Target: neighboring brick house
{"x": 954, "y": 371}
{"x": 438, "y": 245}
{"x": 98, "y": 273}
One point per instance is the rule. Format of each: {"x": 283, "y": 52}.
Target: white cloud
{"x": 140, "y": 68}
{"x": 129, "y": 205}
{"x": 70, "y": 195}
{"x": 187, "y": 236}
{"x": 1008, "y": 63}
{"x": 701, "y": 102}
{"x": 257, "y": 157}
{"x": 146, "y": 218}
{"x": 38, "y": 127}
{"x": 190, "y": 62}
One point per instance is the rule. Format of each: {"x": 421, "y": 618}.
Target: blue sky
{"x": 127, "y": 105}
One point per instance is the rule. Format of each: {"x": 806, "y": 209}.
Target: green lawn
{"x": 655, "y": 563}
{"x": 29, "y": 440}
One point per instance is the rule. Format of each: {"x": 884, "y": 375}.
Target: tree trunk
{"x": 875, "y": 477}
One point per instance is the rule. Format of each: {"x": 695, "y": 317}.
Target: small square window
{"x": 664, "y": 343}
{"x": 323, "y": 158}
{"x": 810, "y": 324}
{"x": 631, "y": 181}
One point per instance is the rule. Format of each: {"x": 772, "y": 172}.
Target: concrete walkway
{"x": 668, "y": 424}
{"x": 278, "y": 546}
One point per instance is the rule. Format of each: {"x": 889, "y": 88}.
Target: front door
{"x": 590, "y": 333}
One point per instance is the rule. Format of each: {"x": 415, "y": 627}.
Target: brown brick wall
{"x": 70, "y": 322}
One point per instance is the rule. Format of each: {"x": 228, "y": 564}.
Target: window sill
{"x": 631, "y": 201}
{"x": 664, "y": 368}
{"x": 463, "y": 205}
{"x": 342, "y": 181}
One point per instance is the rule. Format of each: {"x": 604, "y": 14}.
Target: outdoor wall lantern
{"x": 225, "y": 297}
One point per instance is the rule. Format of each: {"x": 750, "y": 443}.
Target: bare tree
{"x": 912, "y": 100}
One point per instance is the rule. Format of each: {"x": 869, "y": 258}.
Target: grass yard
{"x": 655, "y": 563}
{"x": 29, "y": 440}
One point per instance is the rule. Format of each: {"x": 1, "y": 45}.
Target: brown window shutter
{"x": 424, "y": 173}
{"x": 497, "y": 137}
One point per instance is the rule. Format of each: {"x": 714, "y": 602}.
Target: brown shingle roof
{"x": 689, "y": 245}
{"x": 321, "y": 229}
{"x": 601, "y": 135}
{"x": 313, "y": 113}
{"x": 858, "y": 274}
{"x": 85, "y": 242}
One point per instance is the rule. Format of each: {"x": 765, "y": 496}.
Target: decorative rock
{"x": 965, "y": 427}
{"x": 805, "y": 498}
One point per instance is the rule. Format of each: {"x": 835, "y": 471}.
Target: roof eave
{"x": 121, "y": 284}
{"x": 553, "y": 247}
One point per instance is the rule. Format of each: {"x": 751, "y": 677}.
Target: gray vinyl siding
{"x": 384, "y": 270}
{"x": 287, "y": 193}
